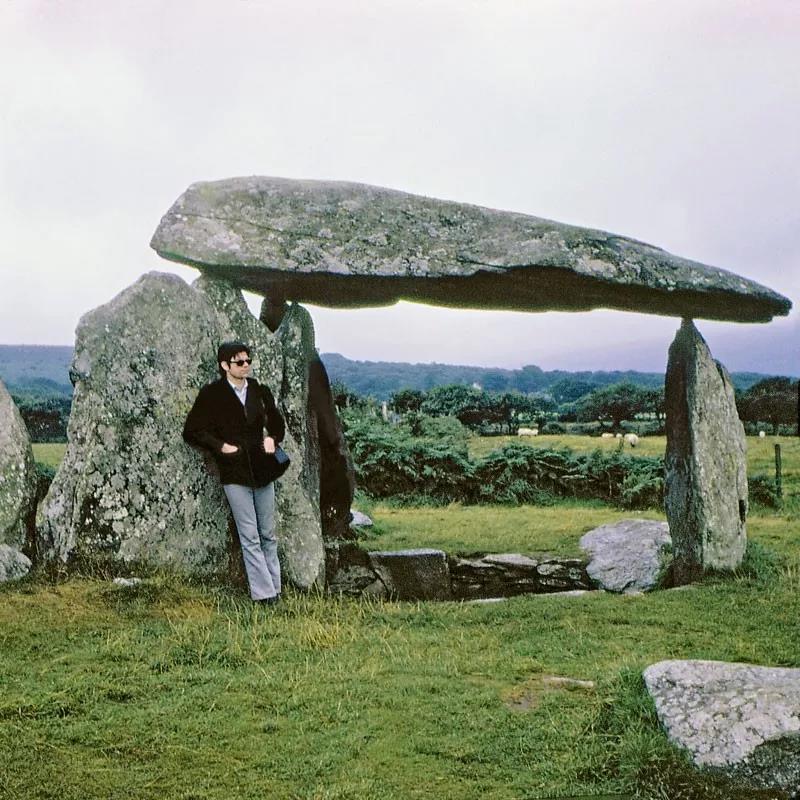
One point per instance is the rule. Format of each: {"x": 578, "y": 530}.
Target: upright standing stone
{"x": 286, "y": 353}
{"x": 18, "y": 481}
{"x": 706, "y": 474}
{"x": 337, "y": 481}
{"x": 129, "y": 489}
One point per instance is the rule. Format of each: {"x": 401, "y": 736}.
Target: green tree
{"x": 405, "y": 400}
{"x": 568, "y": 390}
{"x": 773, "y": 400}
{"x": 615, "y": 403}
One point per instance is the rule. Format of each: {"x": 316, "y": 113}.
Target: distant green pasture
{"x": 49, "y": 454}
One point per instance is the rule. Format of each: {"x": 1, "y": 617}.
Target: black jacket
{"x": 218, "y": 416}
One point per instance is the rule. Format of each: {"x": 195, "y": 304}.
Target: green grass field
{"x": 174, "y": 690}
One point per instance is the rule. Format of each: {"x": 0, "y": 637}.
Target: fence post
{"x": 778, "y": 476}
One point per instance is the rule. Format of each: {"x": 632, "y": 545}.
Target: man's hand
{"x": 229, "y": 448}
{"x": 269, "y": 444}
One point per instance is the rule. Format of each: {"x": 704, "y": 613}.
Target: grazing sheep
{"x": 632, "y": 439}
{"x": 619, "y": 436}
{"x": 762, "y": 434}
{"x": 528, "y": 432}
{"x": 606, "y": 435}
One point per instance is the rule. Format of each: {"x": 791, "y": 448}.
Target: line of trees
{"x": 771, "y": 402}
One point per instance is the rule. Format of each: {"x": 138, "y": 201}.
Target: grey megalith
{"x": 739, "y": 719}
{"x": 706, "y": 463}
{"x": 129, "y": 491}
{"x": 351, "y": 245}
{"x": 18, "y": 483}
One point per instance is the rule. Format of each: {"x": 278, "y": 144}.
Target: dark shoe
{"x": 269, "y": 601}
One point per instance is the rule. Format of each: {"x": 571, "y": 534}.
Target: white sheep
{"x": 527, "y": 432}
{"x": 632, "y": 439}
{"x": 606, "y": 435}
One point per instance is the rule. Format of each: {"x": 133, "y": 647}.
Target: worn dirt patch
{"x": 528, "y": 695}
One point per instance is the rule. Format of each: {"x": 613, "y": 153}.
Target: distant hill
{"x": 44, "y": 369}
{"x": 41, "y": 368}
{"x": 381, "y": 378}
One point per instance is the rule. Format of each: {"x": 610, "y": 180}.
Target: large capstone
{"x": 18, "y": 483}
{"x": 350, "y": 245}
{"x": 706, "y": 468}
{"x": 129, "y": 490}
{"x": 738, "y": 719}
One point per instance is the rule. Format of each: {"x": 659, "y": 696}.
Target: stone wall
{"x": 427, "y": 574}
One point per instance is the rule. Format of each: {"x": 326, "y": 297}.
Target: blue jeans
{"x": 254, "y": 514}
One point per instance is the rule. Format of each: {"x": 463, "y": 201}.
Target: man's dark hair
{"x": 227, "y": 350}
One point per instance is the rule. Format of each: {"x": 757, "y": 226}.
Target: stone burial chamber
{"x": 130, "y": 492}
{"x": 349, "y": 245}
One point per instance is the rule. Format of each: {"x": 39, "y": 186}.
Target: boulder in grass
{"x": 18, "y": 478}
{"x": 629, "y": 556}
{"x": 359, "y": 519}
{"x": 738, "y": 719}
{"x": 13, "y": 564}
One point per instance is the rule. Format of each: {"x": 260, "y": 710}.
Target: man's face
{"x": 238, "y": 367}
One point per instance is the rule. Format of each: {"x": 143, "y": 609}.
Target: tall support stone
{"x": 337, "y": 480}
{"x": 706, "y": 475}
{"x": 129, "y": 490}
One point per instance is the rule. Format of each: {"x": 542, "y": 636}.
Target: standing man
{"x": 237, "y": 421}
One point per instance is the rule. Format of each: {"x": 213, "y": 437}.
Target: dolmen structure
{"x": 130, "y": 492}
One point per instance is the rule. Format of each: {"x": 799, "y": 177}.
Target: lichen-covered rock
{"x": 350, "y": 245}
{"x": 13, "y": 564}
{"x": 18, "y": 480}
{"x": 739, "y": 719}
{"x": 359, "y": 519}
{"x": 129, "y": 490}
{"x": 706, "y": 467}
{"x": 629, "y": 556}
{"x": 284, "y": 366}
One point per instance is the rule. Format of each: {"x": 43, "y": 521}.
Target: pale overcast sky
{"x": 676, "y": 123}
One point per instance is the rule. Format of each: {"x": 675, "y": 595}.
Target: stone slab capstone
{"x": 350, "y": 245}
{"x": 739, "y": 719}
{"x": 629, "y": 556}
{"x": 18, "y": 479}
{"x": 705, "y": 462}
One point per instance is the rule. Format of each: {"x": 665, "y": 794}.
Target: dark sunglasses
{"x": 240, "y": 362}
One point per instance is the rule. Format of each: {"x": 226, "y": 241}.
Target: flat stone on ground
{"x": 740, "y": 719}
